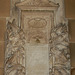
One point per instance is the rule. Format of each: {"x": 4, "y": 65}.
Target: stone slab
{"x": 37, "y": 60}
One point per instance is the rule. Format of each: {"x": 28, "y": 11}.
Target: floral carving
{"x": 15, "y": 51}
{"x": 37, "y": 23}
{"x": 59, "y": 51}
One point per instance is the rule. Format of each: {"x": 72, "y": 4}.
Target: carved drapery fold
{"x": 59, "y": 50}
{"x": 15, "y": 51}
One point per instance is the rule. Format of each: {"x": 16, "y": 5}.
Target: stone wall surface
{"x": 37, "y": 41}
{"x": 60, "y": 16}
{"x": 2, "y": 44}
{"x": 4, "y": 8}
{"x": 4, "y": 12}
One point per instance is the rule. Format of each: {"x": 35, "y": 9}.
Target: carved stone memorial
{"x": 37, "y": 43}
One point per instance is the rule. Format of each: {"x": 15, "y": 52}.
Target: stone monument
{"x": 37, "y": 43}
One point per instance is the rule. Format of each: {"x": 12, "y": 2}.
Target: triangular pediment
{"x": 36, "y": 3}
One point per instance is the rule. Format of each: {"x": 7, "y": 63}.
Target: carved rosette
{"x": 59, "y": 53}
{"x": 15, "y": 51}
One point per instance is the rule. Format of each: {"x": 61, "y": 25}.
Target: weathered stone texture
{"x": 59, "y": 43}
{"x": 15, "y": 51}
{"x": 37, "y": 39}
{"x": 37, "y": 60}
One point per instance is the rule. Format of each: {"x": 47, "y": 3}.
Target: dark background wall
{"x": 70, "y": 14}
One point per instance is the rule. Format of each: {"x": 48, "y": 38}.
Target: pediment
{"x": 36, "y": 4}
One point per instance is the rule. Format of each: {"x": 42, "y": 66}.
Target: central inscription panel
{"x": 37, "y": 60}
{"x": 37, "y": 27}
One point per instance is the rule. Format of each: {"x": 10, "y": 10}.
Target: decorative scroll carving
{"x": 37, "y": 23}
{"x": 37, "y": 3}
{"x": 59, "y": 51}
{"x": 15, "y": 51}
